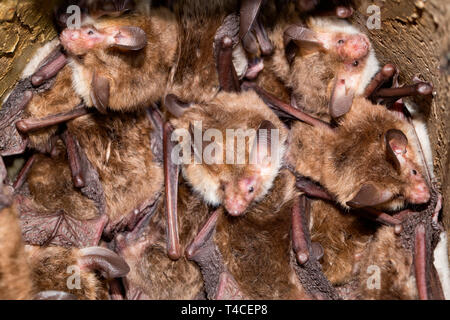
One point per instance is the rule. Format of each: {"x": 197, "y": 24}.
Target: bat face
{"x": 80, "y": 41}
{"x": 369, "y": 160}
{"x": 349, "y": 47}
{"x": 249, "y": 139}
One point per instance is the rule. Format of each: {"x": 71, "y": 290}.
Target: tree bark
{"x": 24, "y": 26}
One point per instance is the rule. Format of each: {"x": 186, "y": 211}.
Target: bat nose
{"x": 420, "y": 194}
{"x": 235, "y": 207}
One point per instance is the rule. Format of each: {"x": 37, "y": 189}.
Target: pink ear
{"x": 396, "y": 143}
{"x": 369, "y": 196}
{"x": 343, "y": 92}
{"x": 127, "y": 38}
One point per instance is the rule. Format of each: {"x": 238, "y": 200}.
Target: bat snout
{"x": 235, "y": 206}
{"x": 420, "y": 194}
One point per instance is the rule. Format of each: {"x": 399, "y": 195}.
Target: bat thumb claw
{"x": 54, "y": 295}
{"x": 106, "y": 262}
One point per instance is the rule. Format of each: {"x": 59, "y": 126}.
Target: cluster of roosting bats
{"x": 348, "y": 192}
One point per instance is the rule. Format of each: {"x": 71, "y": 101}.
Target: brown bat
{"x": 410, "y": 181}
{"x": 324, "y": 63}
{"x": 113, "y": 59}
{"x": 255, "y": 15}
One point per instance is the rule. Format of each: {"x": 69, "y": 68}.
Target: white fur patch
{"x": 205, "y": 186}
{"x": 332, "y": 25}
{"x": 441, "y": 264}
{"x": 240, "y": 61}
{"x": 419, "y": 123}
{"x": 81, "y": 82}
{"x": 38, "y": 57}
{"x": 370, "y": 69}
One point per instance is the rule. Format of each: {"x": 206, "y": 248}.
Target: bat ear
{"x": 54, "y": 295}
{"x": 105, "y": 261}
{"x": 396, "y": 143}
{"x": 175, "y": 106}
{"x": 344, "y": 91}
{"x": 369, "y": 196}
{"x": 127, "y": 38}
{"x": 296, "y": 37}
{"x": 100, "y": 92}
{"x": 341, "y": 99}
{"x": 262, "y": 146}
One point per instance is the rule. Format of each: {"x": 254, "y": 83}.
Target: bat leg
{"x": 394, "y": 94}
{"x": 437, "y": 209}
{"x": 56, "y": 61}
{"x": 74, "y": 159}
{"x": 156, "y": 142}
{"x": 22, "y": 176}
{"x": 299, "y": 241}
{"x": 171, "y": 171}
{"x": 286, "y": 109}
{"x": 31, "y": 124}
{"x": 54, "y": 295}
{"x": 248, "y": 12}
{"x": 420, "y": 262}
{"x": 311, "y": 189}
{"x": 116, "y": 290}
{"x": 381, "y": 217}
{"x": 228, "y": 78}
{"x": 202, "y": 236}
{"x": 386, "y": 73}
{"x": 108, "y": 263}
{"x": 265, "y": 44}
{"x": 228, "y": 288}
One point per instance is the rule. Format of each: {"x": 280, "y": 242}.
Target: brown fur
{"x": 195, "y": 78}
{"x": 118, "y": 147}
{"x": 50, "y": 272}
{"x": 354, "y": 154}
{"x": 256, "y": 247}
{"x": 50, "y": 184}
{"x": 60, "y": 98}
{"x": 395, "y": 265}
{"x": 152, "y": 272}
{"x": 15, "y": 274}
{"x": 342, "y": 236}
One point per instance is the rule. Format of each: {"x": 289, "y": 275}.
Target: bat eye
{"x": 90, "y": 32}
{"x": 355, "y": 63}
{"x": 414, "y": 172}
{"x": 251, "y": 189}
{"x": 341, "y": 41}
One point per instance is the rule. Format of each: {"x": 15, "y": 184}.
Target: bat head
{"x": 237, "y": 152}
{"x": 80, "y": 41}
{"x": 347, "y": 54}
{"x": 382, "y": 157}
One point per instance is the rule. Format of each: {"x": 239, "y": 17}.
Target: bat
{"x": 113, "y": 59}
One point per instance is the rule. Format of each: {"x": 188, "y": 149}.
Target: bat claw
{"x": 420, "y": 262}
{"x": 202, "y": 236}
{"x": 108, "y": 263}
{"x": 54, "y": 295}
